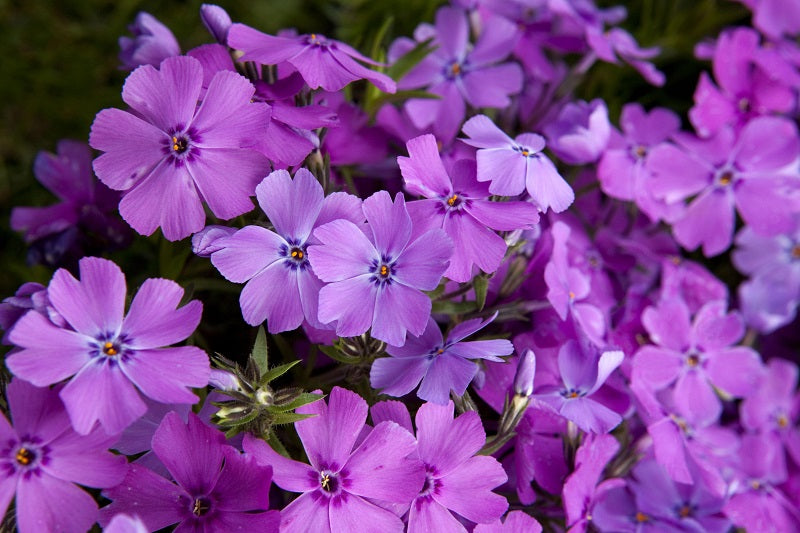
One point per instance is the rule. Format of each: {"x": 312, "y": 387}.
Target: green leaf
{"x": 376, "y": 103}
{"x": 481, "y": 286}
{"x": 303, "y": 399}
{"x": 380, "y": 35}
{"x": 260, "y": 353}
{"x": 277, "y": 372}
{"x": 171, "y": 258}
{"x": 452, "y": 308}
{"x": 410, "y": 60}
{"x": 277, "y": 445}
{"x": 290, "y": 418}
{"x": 336, "y": 355}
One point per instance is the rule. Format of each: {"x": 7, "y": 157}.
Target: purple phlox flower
{"x": 515, "y": 522}
{"x": 569, "y": 289}
{"x": 217, "y": 21}
{"x": 757, "y": 503}
{"x": 29, "y": 296}
{"x": 774, "y": 409}
{"x": 580, "y": 133}
{"x": 616, "y": 44}
{"x": 515, "y": 165}
{"x": 458, "y": 74}
{"x": 651, "y": 501}
{"x": 152, "y": 43}
{"x": 138, "y": 437}
{"x": 123, "y": 523}
{"x": 755, "y": 171}
{"x": 460, "y": 206}
{"x": 622, "y": 171}
{"x": 441, "y": 365}
{"x": 582, "y": 488}
{"x": 322, "y": 62}
{"x": 696, "y": 357}
{"x": 583, "y": 371}
{"x": 687, "y": 451}
{"x": 348, "y": 482}
{"x": 290, "y": 137}
{"x": 769, "y": 299}
{"x": 690, "y": 282}
{"x": 354, "y": 141}
{"x": 538, "y": 449}
{"x": 745, "y": 88}
{"x": 216, "y": 488}
{"x": 456, "y": 480}
{"x": 41, "y": 458}
{"x": 775, "y": 18}
{"x": 281, "y": 286}
{"x": 172, "y": 155}
{"x": 210, "y": 239}
{"x": 82, "y": 222}
{"x": 376, "y": 275}
{"x": 107, "y": 356}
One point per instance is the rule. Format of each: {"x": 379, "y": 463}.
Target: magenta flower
{"x": 580, "y": 133}
{"x": 216, "y": 488}
{"x": 515, "y": 522}
{"x": 217, "y": 21}
{"x": 514, "y": 165}
{"x": 351, "y": 481}
{"x": 152, "y": 43}
{"x": 622, "y": 170}
{"x": 753, "y": 172}
{"x": 321, "y": 61}
{"x": 441, "y": 366}
{"x": 616, "y": 44}
{"x": 106, "y": 355}
{"x": 696, "y": 355}
{"x": 583, "y": 372}
{"x": 41, "y": 459}
{"x": 774, "y": 17}
{"x": 376, "y": 275}
{"x": 281, "y": 286}
{"x": 457, "y": 481}
{"x": 461, "y": 207}
{"x": 169, "y": 154}
{"x": 459, "y": 73}
{"x": 123, "y": 523}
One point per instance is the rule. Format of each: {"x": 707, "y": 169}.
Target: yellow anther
{"x": 783, "y": 421}
{"x": 641, "y": 517}
{"x": 326, "y": 480}
{"x": 455, "y": 69}
{"x": 726, "y": 178}
{"x": 24, "y": 456}
{"x": 526, "y": 153}
{"x": 573, "y": 394}
{"x": 796, "y": 251}
{"x": 571, "y": 295}
{"x": 108, "y": 349}
{"x": 685, "y": 511}
{"x": 693, "y": 360}
{"x": 452, "y": 200}
{"x": 384, "y": 270}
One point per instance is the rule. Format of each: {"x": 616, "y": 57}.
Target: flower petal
{"x": 292, "y": 205}
{"x": 166, "y": 375}
{"x": 154, "y": 319}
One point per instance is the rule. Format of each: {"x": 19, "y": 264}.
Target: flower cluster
{"x": 450, "y": 225}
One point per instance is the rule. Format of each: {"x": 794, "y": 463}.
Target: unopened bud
{"x": 217, "y": 21}
{"x": 210, "y": 239}
{"x": 526, "y": 370}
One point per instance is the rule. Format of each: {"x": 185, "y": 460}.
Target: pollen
{"x": 571, "y": 295}
{"x": 526, "y": 153}
{"x": 693, "y": 360}
{"x": 685, "y": 511}
{"x": 440, "y": 351}
{"x": 573, "y": 394}
{"x": 726, "y": 178}
{"x": 783, "y": 421}
{"x": 200, "y": 507}
{"x": 455, "y": 68}
{"x": 108, "y": 348}
{"x": 297, "y": 254}
{"x": 641, "y": 517}
{"x": 452, "y": 200}
{"x": 24, "y": 456}
{"x": 384, "y": 270}
{"x": 640, "y": 151}
{"x": 325, "y": 482}
{"x": 796, "y": 251}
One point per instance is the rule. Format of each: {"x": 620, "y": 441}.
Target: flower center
{"x": 796, "y": 251}
{"x": 571, "y": 393}
{"x": 110, "y": 349}
{"x": 297, "y": 253}
{"x": 431, "y": 484}
{"x": 525, "y": 151}
{"x": 685, "y": 511}
{"x": 744, "y": 105}
{"x": 693, "y": 360}
{"x": 641, "y": 517}
{"x": 726, "y": 178}
{"x": 328, "y": 481}
{"x": 25, "y": 456}
{"x": 200, "y": 506}
{"x": 453, "y": 200}
{"x": 179, "y": 144}
{"x": 385, "y": 271}
{"x": 640, "y": 151}
{"x": 782, "y": 421}
{"x": 455, "y": 69}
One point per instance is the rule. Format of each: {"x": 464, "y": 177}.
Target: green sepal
{"x": 336, "y": 355}
{"x": 290, "y": 418}
{"x": 301, "y": 400}
{"x": 277, "y": 372}
{"x": 260, "y": 354}
{"x": 481, "y": 286}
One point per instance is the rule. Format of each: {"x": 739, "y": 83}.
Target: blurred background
{"x": 59, "y": 67}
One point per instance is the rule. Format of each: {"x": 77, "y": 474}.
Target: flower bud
{"x": 526, "y": 369}
{"x": 217, "y": 22}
